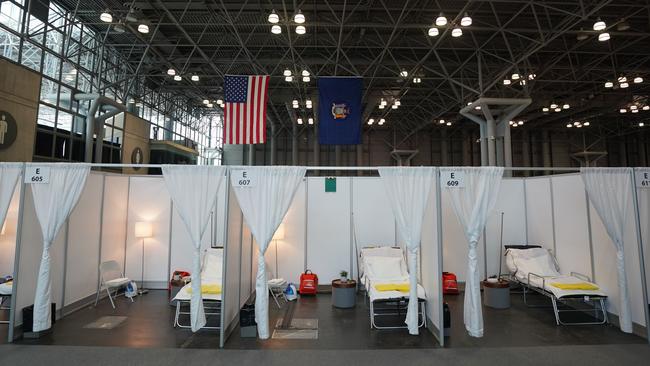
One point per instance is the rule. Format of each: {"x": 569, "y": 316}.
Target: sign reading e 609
{"x": 452, "y": 179}
{"x": 642, "y": 178}
{"x": 243, "y": 178}
{"x": 37, "y": 175}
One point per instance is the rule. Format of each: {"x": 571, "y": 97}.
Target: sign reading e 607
{"x": 642, "y": 178}
{"x": 243, "y": 178}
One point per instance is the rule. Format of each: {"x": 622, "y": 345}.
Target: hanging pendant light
{"x": 106, "y": 17}
{"x": 299, "y": 18}
{"x": 276, "y": 29}
{"x": 171, "y": 72}
{"x": 609, "y": 84}
{"x": 273, "y": 17}
{"x": 456, "y": 32}
{"x": 301, "y": 29}
{"x": 441, "y": 21}
{"x": 466, "y": 21}
{"x": 195, "y": 78}
{"x": 603, "y": 37}
{"x": 177, "y": 78}
{"x": 599, "y": 25}
{"x": 143, "y": 28}
{"x": 433, "y": 31}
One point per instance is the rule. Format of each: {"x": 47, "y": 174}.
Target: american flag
{"x": 245, "y": 110}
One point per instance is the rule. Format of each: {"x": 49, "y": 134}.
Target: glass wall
{"x": 71, "y": 59}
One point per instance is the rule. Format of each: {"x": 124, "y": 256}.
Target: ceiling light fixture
{"x": 371, "y": 121}
{"x": 448, "y": 123}
{"x": 641, "y": 124}
{"x": 545, "y": 109}
{"x": 171, "y": 72}
{"x": 609, "y": 84}
{"x": 143, "y": 28}
{"x": 106, "y": 17}
{"x": 586, "y": 123}
{"x": 433, "y": 31}
{"x": 456, "y": 32}
{"x": 569, "y": 125}
{"x": 622, "y": 110}
{"x": 177, "y": 78}
{"x": 195, "y": 78}
{"x": 646, "y": 108}
{"x": 205, "y": 101}
{"x": 566, "y": 106}
{"x": 306, "y": 79}
{"x": 558, "y": 109}
{"x": 553, "y": 105}
{"x": 441, "y": 20}
{"x": 514, "y": 76}
{"x": 635, "y": 111}
{"x": 417, "y": 80}
{"x": 622, "y": 26}
{"x": 210, "y": 105}
{"x": 394, "y": 106}
{"x": 305, "y": 73}
{"x": 299, "y": 120}
{"x": 599, "y": 25}
{"x": 507, "y": 82}
{"x": 299, "y": 17}
{"x": 276, "y": 29}
{"x": 382, "y": 106}
{"x": 288, "y": 79}
{"x": 622, "y": 79}
{"x": 286, "y": 72}
{"x": 273, "y": 17}
{"x": 466, "y": 21}
{"x": 624, "y": 85}
{"x": 301, "y": 29}
{"x": 310, "y": 121}
{"x": 532, "y": 76}
{"x": 404, "y": 73}
{"x": 603, "y": 37}
{"x": 638, "y": 80}
{"x": 220, "y": 102}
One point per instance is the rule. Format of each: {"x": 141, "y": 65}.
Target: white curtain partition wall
{"x": 9, "y": 173}
{"x": 194, "y": 206}
{"x": 408, "y": 192}
{"x": 264, "y": 195}
{"x": 473, "y": 194}
{"x": 53, "y": 200}
{"x": 610, "y": 191}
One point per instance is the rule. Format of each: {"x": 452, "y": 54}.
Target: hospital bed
{"x": 535, "y": 269}
{"x": 386, "y": 266}
{"x": 5, "y": 298}
{"x": 211, "y": 274}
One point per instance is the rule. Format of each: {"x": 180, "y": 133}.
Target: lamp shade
{"x": 143, "y": 229}
{"x": 279, "y": 233}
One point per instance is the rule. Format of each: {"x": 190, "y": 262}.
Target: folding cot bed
{"x": 535, "y": 269}
{"x": 384, "y": 274}
{"x": 5, "y": 298}
{"x": 211, "y": 275}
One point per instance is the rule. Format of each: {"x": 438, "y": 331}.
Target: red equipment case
{"x": 308, "y": 283}
{"x": 449, "y": 283}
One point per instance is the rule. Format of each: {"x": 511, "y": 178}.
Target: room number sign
{"x": 642, "y": 178}
{"x": 37, "y": 175}
{"x": 452, "y": 179}
{"x": 243, "y": 178}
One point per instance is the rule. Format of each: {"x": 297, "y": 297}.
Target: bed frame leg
{"x": 555, "y": 310}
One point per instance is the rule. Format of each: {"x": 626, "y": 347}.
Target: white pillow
{"x": 384, "y": 268}
{"x": 541, "y": 265}
{"x": 212, "y": 266}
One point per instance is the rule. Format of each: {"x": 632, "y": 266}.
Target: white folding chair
{"x": 276, "y": 288}
{"x": 110, "y": 277}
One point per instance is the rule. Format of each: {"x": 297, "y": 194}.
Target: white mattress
{"x": 5, "y": 288}
{"x": 559, "y": 293}
{"x": 185, "y": 295}
{"x": 374, "y": 295}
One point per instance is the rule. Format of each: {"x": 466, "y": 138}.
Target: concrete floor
{"x": 149, "y": 326}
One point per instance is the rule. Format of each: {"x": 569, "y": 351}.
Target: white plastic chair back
{"x": 110, "y": 270}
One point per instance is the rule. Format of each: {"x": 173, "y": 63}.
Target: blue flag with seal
{"x": 339, "y": 110}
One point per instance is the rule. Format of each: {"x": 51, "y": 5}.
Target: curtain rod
{"x": 333, "y": 168}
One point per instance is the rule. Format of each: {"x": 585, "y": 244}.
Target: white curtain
{"x": 53, "y": 202}
{"x": 610, "y": 192}
{"x": 264, "y": 204}
{"x": 472, "y": 205}
{"x": 408, "y": 192}
{"x": 193, "y": 190}
{"x": 9, "y": 173}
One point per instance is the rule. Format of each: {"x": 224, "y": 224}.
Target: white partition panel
{"x": 511, "y": 202}
{"x": 8, "y": 236}
{"x": 116, "y": 196}
{"x": 373, "y": 219}
{"x": 82, "y": 254}
{"x": 329, "y": 244}
{"x": 539, "y": 212}
{"x": 430, "y": 270}
{"x": 291, "y": 249}
{"x": 455, "y": 246}
{"x": 571, "y": 225}
{"x": 31, "y": 249}
{"x": 149, "y": 201}
{"x": 644, "y": 212}
{"x": 247, "y": 256}
{"x": 232, "y": 266}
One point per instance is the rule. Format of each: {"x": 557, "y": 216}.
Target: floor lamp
{"x": 143, "y": 230}
{"x": 278, "y": 235}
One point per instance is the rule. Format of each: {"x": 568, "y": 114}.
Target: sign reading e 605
{"x": 37, "y": 175}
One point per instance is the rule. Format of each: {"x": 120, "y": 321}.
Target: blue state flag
{"x": 339, "y": 110}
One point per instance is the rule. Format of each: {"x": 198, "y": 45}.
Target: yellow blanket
{"x": 575, "y": 286}
{"x": 401, "y": 287}
{"x": 208, "y": 289}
